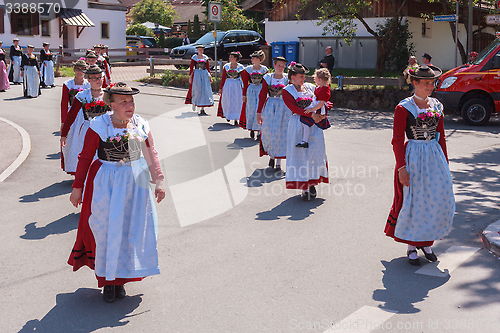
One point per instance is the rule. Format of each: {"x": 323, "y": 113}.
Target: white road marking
{"x": 364, "y": 320}
{"x": 448, "y": 261}
{"x": 25, "y": 151}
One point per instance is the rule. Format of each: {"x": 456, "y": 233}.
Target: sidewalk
{"x": 491, "y": 238}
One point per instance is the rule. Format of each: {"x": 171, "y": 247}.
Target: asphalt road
{"x": 238, "y": 252}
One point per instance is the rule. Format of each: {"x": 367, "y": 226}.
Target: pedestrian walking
{"x": 47, "y": 66}
{"x": 252, "y": 78}
{"x": 273, "y": 115}
{"x": 118, "y": 227}
{"x": 86, "y": 105}
{"x": 200, "y": 82}
{"x": 424, "y": 204}
{"x": 70, "y": 89}
{"x": 31, "y": 73}
{"x": 305, "y": 168}
{"x": 4, "y": 77}
{"x": 15, "y": 62}
{"x": 231, "y": 89}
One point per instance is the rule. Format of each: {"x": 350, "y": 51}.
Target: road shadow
{"x": 403, "y": 288}
{"x": 53, "y": 190}
{"x": 54, "y": 156}
{"x": 294, "y": 208}
{"x": 454, "y": 123}
{"x": 217, "y": 127}
{"x": 245, "y": 142}
{"x": 14, "y": 98}
{"x": 56, "y": 133}
{"x": 264, "y": 176}
{"x": 84, "y": 311}
{"x": 61, "y": 226}
{"x": 358, "y": 119}
{"x": 185, "y": 115}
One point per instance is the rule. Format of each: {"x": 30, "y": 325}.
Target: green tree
{"x": 161, "y": 39}
{"x": 232, "y": 17}
{"x": 196, "y": 27}
{"x": 189, "y": 29}
{"x": 140, "y": 30}
{"x": 338, "y": 17}
{"x": 403, "y": 48}
{"x": 155, "y": 11}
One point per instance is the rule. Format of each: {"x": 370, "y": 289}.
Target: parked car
{"x": 245, "y": 41}
{"x": 473, "y": 89}
{"x": 136, "y": 43}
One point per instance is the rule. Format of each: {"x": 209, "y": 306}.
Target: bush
{"x": 139, "y": 30}
{"x": 172, "y": 42}
{"x": 175, "y": 80}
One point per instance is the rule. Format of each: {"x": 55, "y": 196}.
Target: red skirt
{"x": 390, "y": 226}
{"x": 83, "y": 253}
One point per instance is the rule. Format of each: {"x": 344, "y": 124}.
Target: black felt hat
{"x": 94, "y": 69}
{"x": 427, "y": 55}
{"x": 280, "y": 58}
{"x": 257, "y": 54}
{"x": 90, "y": 54}
{"x": 45, "y": 43}
{"x": 200, "y": 46}
{"x": 80, "y": 63}
{"x": 425, "y": 72}
{"x": 120, "y": 88}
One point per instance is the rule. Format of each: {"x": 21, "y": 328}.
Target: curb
{"x": 491, "y": 238}
{"x": 23, "y": 155}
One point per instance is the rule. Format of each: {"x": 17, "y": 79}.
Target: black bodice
{"x": 201, "y": 65}
{"x": 418, "y": 129}
{"x": 232, "y": 74}
{"x": 94, "y": 111}
{"x": 2, "y": 57}
{"x": 122, "y": 151}
{"x": 44, "y": 56}
{"x": 14, "y": 52}
{"x": 256, "y": 78}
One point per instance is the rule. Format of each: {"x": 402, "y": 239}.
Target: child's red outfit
{"x": 321, "y": 93}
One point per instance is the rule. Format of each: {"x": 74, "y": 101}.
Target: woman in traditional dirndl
{"x": 118, "y": 227}
{"x": 424, "y": 203}
{"x": 252, "y": 78}
{"x": 69, "y": 90}
{"x": 86, "y": 105}
{"x": 31, "y": 73}
{"x": 200, "y": 82}
{"x": 231, "y": 89}
{"x": 15, "y": 55}
{"x": 4, "y": 77}
{"x": 305, "y": 168}
{"x": 273, "y": 115}
{"x": 47, "y": 66}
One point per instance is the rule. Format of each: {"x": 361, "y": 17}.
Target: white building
{"x": 86, "y": 24}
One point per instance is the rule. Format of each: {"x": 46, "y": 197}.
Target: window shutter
{"x": 2, "y": 13}
{"x": 35, "y": 21}
{"x": 13, "y": 23}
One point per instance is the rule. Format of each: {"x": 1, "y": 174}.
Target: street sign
{"x": 497, "y": 5}
{"x": 215, "y": 12}
{"x": 493, "y": 19}
{"x": 445, "y": 18}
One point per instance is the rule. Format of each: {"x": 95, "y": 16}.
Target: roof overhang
{"x": 73, "y": 18}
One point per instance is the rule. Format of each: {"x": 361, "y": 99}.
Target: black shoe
{"x": 278, "y": 168}
{"x": 108, "y": 293}
{"x": 236, "y": 123}
{"x": 303, "y": 144}
{"x": 43, "y": 85}
{"x": 53, "y": 85}
{"x": 429, "y": 256}
{"x": 120, "y": 292}
{"x": 202, "y": 112}
{"x": 306, "y": 196}
{"x": 313, "y": 192}
{"x": 228, "y": 120}
{"x": 252, "y": 134}
{"x": 271, "y": 163}
{"x": 258, "y": 137}
{"x": 414, "y": 262}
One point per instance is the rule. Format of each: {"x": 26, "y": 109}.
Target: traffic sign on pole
{"x": 444, "y": 18}
{"x": 493, "y": 19}
{"x": 215, "y": 12}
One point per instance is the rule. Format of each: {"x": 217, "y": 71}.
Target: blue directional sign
{"x": 445, "y": 18}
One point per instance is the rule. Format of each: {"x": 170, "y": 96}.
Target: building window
{"x": 104, "y": 30}
{"x": 24, "y": 24}
{"x": 45, "y": 25}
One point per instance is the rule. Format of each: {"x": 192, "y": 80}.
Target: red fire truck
{"x": 473, "y": 89}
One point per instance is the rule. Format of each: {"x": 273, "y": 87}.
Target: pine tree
{"x": 189, "y": 29}
{"x": 196, "y": 27}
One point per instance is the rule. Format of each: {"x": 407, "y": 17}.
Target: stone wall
{"x": 368, "y": 99}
